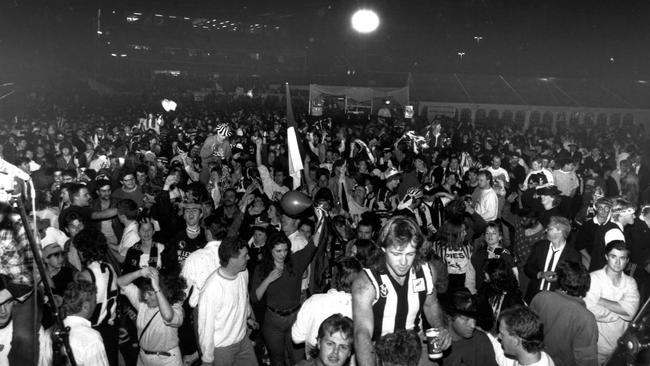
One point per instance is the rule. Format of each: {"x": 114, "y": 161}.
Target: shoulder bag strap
{"x": 147, "y": 326}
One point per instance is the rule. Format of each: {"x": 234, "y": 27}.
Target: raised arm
{"x": 166, "y": 311}
{"x": 307, "y": 169}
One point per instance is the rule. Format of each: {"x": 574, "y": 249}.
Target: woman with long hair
{"x": 158, "y": 299}
{"x": 489, "y": 246}
{"x": 453, "y": 246}
{"x": 277, "y": 281}
{"x": 501, "y": 292}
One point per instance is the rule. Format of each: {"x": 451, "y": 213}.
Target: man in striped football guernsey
{"x": 393, "y": 294}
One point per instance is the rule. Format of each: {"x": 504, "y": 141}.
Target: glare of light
{"x": 365, "y": 21}
{"x": 249, "y": 93}
{"x": 172, "y": 16}
{"x": 99, "y": 32}
{"x": 114, "y": 54}
{"x": 137, "y": 13}
{"x": 186, "y": 18}
{"x": 159, "y": 15}
{"x": 642, "y": 81}
{"x": 123, "y": 55}
{"x": 168, "y": 105}
{"x": 543, "y": 79}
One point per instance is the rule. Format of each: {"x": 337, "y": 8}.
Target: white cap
{"x": 53, "y": 236}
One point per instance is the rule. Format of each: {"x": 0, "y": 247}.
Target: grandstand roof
{"x": 546, "y": 91}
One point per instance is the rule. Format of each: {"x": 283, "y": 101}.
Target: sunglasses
{"x": 59, "y": 254}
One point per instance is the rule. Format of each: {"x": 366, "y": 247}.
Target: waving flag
{"x": 295, "y": 161}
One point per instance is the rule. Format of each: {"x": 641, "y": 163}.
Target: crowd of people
{"x": 166, "y": 239}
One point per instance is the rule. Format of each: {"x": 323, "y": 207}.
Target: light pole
{"x": 478, "y": 39}
{"x": 461, "y": 54}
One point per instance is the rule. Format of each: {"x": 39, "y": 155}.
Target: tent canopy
{"x": 360, "y": 95}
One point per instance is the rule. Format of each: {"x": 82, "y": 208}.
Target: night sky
{"x": 584, "y": 39}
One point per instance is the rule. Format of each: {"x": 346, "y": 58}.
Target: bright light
{"x": 365, "y": 21}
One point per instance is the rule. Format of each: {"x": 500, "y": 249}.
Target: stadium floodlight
{"x": 365, "y": 21}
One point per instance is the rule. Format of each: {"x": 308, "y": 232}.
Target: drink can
{"x": 434, "y": 344}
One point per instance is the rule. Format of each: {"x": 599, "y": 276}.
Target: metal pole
{"x": 63, "y": 331}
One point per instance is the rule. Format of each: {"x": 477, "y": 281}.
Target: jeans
{"x": 186, "y": 332}
{"x": 110, "y": 334}
{"x": 26, "y": 321}
{"x": 277, "y": 337}
{"x": 238, "y": 354}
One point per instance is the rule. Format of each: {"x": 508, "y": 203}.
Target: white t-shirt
{"x": 316, "y": 309}
{"x": 611, "y": 325}
{"x": 503, "y": 360}
{"x": 223, "y": 311}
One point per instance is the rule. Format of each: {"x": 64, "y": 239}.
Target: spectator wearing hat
{"x": 547, "y": 255}
{"x": 570, "y": 329}
{"x": 53, "y": 254}
{"x": 470, "y": 346}
{"x": 216, "y": 147}
{"x": 186, "y": 241}
{"x": 550, "y": 198}
{"x": 622, "y": 215}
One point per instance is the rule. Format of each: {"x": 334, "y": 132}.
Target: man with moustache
{"x": 334, "y": 342}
